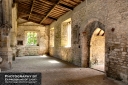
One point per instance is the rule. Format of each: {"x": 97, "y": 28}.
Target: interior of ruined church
{"x": 70, "y": 42}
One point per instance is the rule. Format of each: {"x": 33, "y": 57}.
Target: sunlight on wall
{"x": 52, "y": 37}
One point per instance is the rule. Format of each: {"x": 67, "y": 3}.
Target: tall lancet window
{"x": 66, "y": 33}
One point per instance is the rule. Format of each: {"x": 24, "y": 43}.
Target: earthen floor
{"x": 57, "y": 72}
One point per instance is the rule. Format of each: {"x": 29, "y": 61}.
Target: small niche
{"x": 20, "y": 42}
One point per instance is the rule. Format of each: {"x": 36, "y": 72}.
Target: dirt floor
{"x": 57, "y": 72}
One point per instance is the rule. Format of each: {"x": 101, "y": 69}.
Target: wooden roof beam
{"x": 99, "y": 33}
{"x": 65, "y": 6}
{"x": 34, "y": 12}
{"x": 47, "y": 2}
{"x": 103, "y": 34}
{"x": 23, "y": 15}
{"x": 52, "y": 18}
{"x": 50, "y": 11}
{"x": 23, "y": 22}
{"x": 31, "y": 9}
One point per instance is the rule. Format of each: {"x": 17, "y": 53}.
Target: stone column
{"x": 13, "y": 32}
{"x": 6, "y": 51}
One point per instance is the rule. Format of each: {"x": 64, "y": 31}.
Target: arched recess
{"x": 97, "y": 50}
{"x": 86, "y": 39}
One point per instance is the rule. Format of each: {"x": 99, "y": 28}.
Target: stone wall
{"x": 42, "y": 39}
{"x": 109, "y": 15}
{"x": 117, "y": 40}
{"x": 59, "y": 51}
{"x": 13, "y": 32}
{"x": 0, "y": 23}
{"x": 5, "y": 26}
{"x": 0, "y": 12}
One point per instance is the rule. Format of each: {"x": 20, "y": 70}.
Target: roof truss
{"x": 44, "y": 12}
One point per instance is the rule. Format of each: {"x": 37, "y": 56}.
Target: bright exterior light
{"x": 53, "y": 61}
{"x": 31, "y": 38}
{"x": 66, "y": 33}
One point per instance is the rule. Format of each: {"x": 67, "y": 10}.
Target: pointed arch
{"x": 87, "y": 34}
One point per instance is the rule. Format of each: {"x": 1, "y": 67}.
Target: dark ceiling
{"x": 44, "y": 12}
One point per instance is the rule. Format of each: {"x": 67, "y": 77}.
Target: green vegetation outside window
{"x": 31, "y": 38}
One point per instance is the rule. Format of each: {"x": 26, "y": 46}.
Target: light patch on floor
{"x": 43, "y": 56}
{"x": 53, "y": 61}
{"x": 62, "y": 73}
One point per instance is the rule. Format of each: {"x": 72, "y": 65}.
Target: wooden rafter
{"x": 69, "y": 3}
{"x": 99, "y": 33}
{"x": 31, "y": 9}
{"x": 22, "y": 22}
{"x": 50, "y": 11}
{"x": 52, "y": 18}
{"x": 39, "y": 14}
{"x": 23, "y": 15}
{"x": 44, "y": 12}
{"x": 103, "y": 34}
{"x": 65, "y": 6}
{"x": 47, "y": 2}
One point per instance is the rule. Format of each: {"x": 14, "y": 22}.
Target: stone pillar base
{"x": 6, "y": 55}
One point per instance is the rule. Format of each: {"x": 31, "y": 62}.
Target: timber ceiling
{"x": 44, "y": 12}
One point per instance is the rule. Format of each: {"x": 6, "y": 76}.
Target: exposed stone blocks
{"x": 42, "y": 39}
{"x": 29, "y": 50}
{"x": 6, "y": 55}
{"x": 120, "y": 66}
{"x": 111, "y": 13}
{"x": 5, "y": 26}
{"x": 58, "y": 50}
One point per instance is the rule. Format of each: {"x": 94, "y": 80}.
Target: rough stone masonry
{"x": 109, "y": 15}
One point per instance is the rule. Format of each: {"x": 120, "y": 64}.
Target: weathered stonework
{"x": 6, "y": 55}
{"x": 40, "y": 49}
{"x": 0, "y": 12}
{"x": 5, "y": 26}
{"x": 109, "y": 15}
{"x": 59, "y": 51}
{"x": 13, "y": 31}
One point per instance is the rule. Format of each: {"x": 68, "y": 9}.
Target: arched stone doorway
{"x": 97, "y": 50}
{"x": 86, "y": 40}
